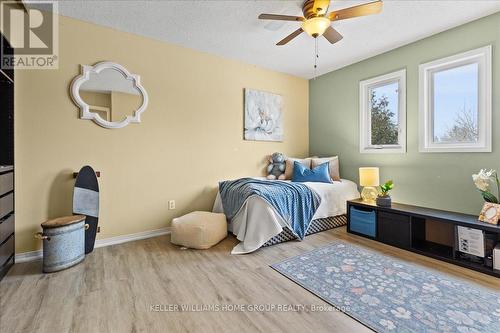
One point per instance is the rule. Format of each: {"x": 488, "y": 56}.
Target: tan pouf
{"x": 199, "y": 230}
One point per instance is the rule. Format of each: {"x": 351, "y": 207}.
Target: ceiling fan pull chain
{"x": 316, "y": 56}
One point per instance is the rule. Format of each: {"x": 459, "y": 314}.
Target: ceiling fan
{"x": 317, "y": 22}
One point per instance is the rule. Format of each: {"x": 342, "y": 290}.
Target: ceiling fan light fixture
{"x": 316, "y": 26}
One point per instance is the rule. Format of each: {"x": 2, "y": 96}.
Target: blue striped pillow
{"x": 319, "y": 174}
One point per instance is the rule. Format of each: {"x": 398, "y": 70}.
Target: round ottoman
{"x": 199, "y": 230}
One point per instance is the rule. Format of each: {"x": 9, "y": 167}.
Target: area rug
{"x": 387, "y": 294}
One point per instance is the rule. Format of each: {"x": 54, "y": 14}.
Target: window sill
{"x": 383, "y": 150}
{"x": 456, "y": 149}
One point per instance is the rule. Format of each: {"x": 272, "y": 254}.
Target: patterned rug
{"x": 389, "y": 295}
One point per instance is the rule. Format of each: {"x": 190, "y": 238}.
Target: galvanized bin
{"x": 63, "y": 242}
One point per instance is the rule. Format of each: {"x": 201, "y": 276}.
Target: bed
{"x": 258, "y": 224}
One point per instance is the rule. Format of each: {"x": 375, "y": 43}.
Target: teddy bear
{"x": 276, "y": 167}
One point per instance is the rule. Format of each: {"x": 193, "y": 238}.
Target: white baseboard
{"x": 34, "y": 255}
{"x": 132, "y": 237}
{"x": 28, "y": 256}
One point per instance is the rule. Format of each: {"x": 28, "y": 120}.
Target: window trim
{"x": 365, "y": 87}
{"x": 481, "y": 56}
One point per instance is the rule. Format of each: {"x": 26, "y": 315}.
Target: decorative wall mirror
{"x": 109, "y": 94}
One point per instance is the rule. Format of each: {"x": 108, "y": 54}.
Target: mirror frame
{"x": 84, "y": 107}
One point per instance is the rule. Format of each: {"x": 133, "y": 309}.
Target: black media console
{"x": 426, "y": 231}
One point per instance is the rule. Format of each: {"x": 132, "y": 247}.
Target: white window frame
{"x": 365, "y": 87}
{"x": 481, "y": 56}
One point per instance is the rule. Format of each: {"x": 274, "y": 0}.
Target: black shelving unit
{"x": 7, "y": 217}
{"x": 404, "y": 226}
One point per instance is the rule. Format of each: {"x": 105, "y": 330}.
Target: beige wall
{"x": 190, "y": 136}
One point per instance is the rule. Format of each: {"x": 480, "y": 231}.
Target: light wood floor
{"x": 115, "y": 287}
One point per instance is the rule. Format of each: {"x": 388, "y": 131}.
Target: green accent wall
{"x": 438, "y": 180}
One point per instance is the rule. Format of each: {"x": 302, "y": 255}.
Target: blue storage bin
{"x": 363, "y": 222}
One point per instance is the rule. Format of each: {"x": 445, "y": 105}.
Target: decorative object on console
{"x": 496, "y": 257}
{"x": 490, "y": 213}
{"x": 318, "y": 174}
{"x": 369, "y": 179}
{"x": 276, "y": 167}
{"x": 333, "y": 166}
{"x": 483, "y": 181}
{"x": 109, "y": 94}
{"x": 263, "y": 116}
{"x": 383, "y": 198}
{"x": 470, "y": 241}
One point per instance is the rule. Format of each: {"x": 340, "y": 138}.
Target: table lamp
{"x": 369, "y": 179}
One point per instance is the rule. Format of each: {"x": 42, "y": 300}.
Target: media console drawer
{"x": 394, "y": 229}
{"x": 6, "y": 182}
{"x": 6, "y": 205}
{"x": 6, "y": 227}
{"x": 363, "y": 221}
{"x": 6, "y": 250}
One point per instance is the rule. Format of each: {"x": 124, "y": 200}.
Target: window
{"x": 455, "y": 103}
{"x": 383, "y": 114}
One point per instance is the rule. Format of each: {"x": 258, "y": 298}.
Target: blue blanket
{"x": 294, "y": 202}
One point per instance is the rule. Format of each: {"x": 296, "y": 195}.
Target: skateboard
{"x": 86, "y": 202}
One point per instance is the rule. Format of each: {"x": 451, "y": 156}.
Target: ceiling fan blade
{"x": 280, "y": 17}
{"x": 290, "y": 36}
{"x": 332, "y": 35}
{"x": 374, "y": 7}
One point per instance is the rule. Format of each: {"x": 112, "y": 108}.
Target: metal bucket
{"x": 63, "y": 245}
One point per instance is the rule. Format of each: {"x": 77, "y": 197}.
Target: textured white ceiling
{"x": 231, "y": 28}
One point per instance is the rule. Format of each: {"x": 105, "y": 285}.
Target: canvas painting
{"x": 263, "y": 116}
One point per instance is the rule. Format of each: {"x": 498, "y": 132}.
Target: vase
{"x": 384, "y": 201}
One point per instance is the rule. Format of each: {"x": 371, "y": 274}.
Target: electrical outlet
{"x": 171, "y": 204}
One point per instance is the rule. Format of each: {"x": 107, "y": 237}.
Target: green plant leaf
{"x": 488, "y": 197}
{"x": 386, "y": 187}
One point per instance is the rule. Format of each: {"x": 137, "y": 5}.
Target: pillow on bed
{"x": 306, "y": 162}
{"x": 333, "y": 168}
{"x": 318, "y": 174}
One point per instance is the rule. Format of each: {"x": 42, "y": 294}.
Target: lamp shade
{"x": 369, "y": 177}
{"x": 316, "y": 26}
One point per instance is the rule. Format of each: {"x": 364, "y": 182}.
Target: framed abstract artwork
{"x": 263, "y": 116}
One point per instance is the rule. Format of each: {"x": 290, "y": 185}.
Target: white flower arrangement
{"x": 483, "y": 180}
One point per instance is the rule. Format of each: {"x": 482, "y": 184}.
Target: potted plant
{"x": 383, "y": 198}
